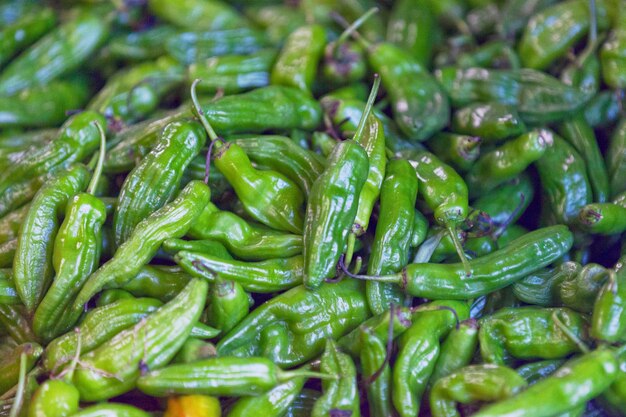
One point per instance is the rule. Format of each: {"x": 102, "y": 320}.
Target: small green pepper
{"x": 23, "y": 32}
{"x": 484, "y": 383}
{"x": 616, "y": 159}
{"x": 209, "y": 15}
{"x": 274, "y": 402}
{"x": 457, "y": 350}
{"x": 608, "y": 318}
{"x": 458, "y": 151}
{"x": 491, "y": 122}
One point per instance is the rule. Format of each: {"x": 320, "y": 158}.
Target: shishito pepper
{"x": 25, "y": 31}
{"x": 76, "y": 254}
{"x": 291, "y": 328}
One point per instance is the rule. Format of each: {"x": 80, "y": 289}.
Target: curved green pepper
{"x": 458, "y": 151}
{"x": 608, "y": 318}
{"x": 457, "y": 350}
{"x": 491, "y": 122}
{"x": 23, "y": 32}
{"x": 209, "y": 15}
{"x": 274, "y": 402}
{"x": 616, "y": 159}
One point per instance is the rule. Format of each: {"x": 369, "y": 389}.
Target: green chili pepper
{"x": 420, "y": 105}
{"x": 457, "y": 350}
{"x": 613, "y": 54}
{"x": 7, "y": 253}
{"x": 538, "y": 97}
{"x": 339, "y": 395}
{"x": 603, "y": 109}
{"x": 519, "y": 258}
{"x": 131, "y": 94}
{"x": 75, "y": 254}
{"x": 59, "y": 52}
{"x": 209, "y": 247}
{"x": 607, "y": 320}
{"x": 111, "y": 409}
{"x": 32, "y": 269}
{"x": 377, "y": 375}
{"x": 542, "y": 288}
{"x": 137, "y": 45}
{"x": 23, "y": 32}
{"x": 560, "y": 391}
{"x": 113, "y": 367}
{"x": 99, "y": 325}
{"x": 157, "y": 177}
{"x": 412, "y": 26}
{"x": 551, "y": 32}
{"x": 197, "y": 15}
{"x": 158, "y": 281}
{"x": 291, "y": 329}
{"x": 43, "y": 105}
{"x": 394, "y": 233}
{"x": 194, "y": 350}
{"x": 241, "y": 238}
{"x": 418, "y": 351}
{"x": 613, "y": 399}
{"x": 302, "y": 166}
{"x": 8, "y": 294}
{"x": 444, "y": 192}
{"x": 171, "y": 220}
{"x": 603, "y": 218}
{"x": 277, "y": 20}
{"x": 274, "y": 402}
{"x": 343, "y": 62}
{"x": 458, "y": 151}
{"x": 223, "y": 376}
{"x": 528, "y": 332}
{"x": 110, "y": 296}
{"x": 505, "y": 162}
{"x": 78, "y": 138}
{"x": 296, "y": 65}
{"x": 263, "y": 277}
{"x": 14, "y": 323}
{"x": 10, "y": 364}
{"x": 229, "y": 304}
{"x": 55, "y": 397}
{"x": 233, "y": 73}
{"x": 616, "y": 159}
{"x": 581, "y": 136}
{"x": 536, "y": 371}
{"x": 564, "y": 182}
{"x": 491, "y": 122}
{"x": 484, "y": 383}
{"x": 303, "y": 404}
{"x": 194, "y": 47}
{"x": 492, "y": 54}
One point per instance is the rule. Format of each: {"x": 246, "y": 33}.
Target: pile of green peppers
{"x": 332, "y": 208}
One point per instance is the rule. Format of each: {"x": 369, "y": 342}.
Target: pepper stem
{"x": 389, "y": 348}
{"x": 19, "y": 394}
{"x": 358, "y": 263}
{"x": 570, "y": 335}
{"x": 198, "y": 110}
{"x": 353, "y": 27}
{"x": 70, "y": 370}
{"x": 459, "y": 250}
{"x": 368, "y": 108}
{"x": 98, "y": 169}
{"x": 394, "y": 278}
{"x": 350, "y": 248}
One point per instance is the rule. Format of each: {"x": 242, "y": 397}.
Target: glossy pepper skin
{"x": 394, "y": 233}
{"x": 233, "y": 73}
{"x": 261, "y": 277}
{"x": 506, "y": 203}
{"x": 419, "y": 348}
{"x": 33, "y": 265}
{"x": 538, "y": 97}
{"x": 77, "y": 139}
{"x": 505, "y": 162}
{"x": 229, "y": 303}
{"x": 43, "y": 105}
{"x": 242, "y": 239}
{"x": 192, "y": 47}
{"x": 550, "y": 33}
{"x": 302, "y": 167}
{"x": 616, "y": 159}
{"x": 603, "y": 218}
{"x": 607, "y": 319}
{"x": 491, "y": 122}
{"x": 561, "y": 391}
{"x": 412, "y": 26}
{"x": 564, "y": 182}
{"x": 160, "y": 336}
{"x": 528, "y": 332}
{"x": 14, "y": 323}
{"x": 491, "y": 272}
{"x": 488, "y": 383}
{"x": 197, "y": 15}
{"x": 342, "y": 394}
{"x": 31, "y": 27}
{"x": 274, "y": 329}
{"x": 613, "y": 54}
{"x": 296, "y": 65}
{"x": 157, "y": 281}
{"x": 10, "y": 364}
{"x": 59, "y": 52}
{"x": 420, "y": 105}
{"x": 274, "y": 107}
{"x": 274, "y": 402}
{"x": 99, "y": 325}
{"x": 458, "y": 151}
{"x": 153, "y": 182}
{"x": 613, "y": 399}
{"x": 54, "y": 397}
{"x": 457, "y": 350}
{"x": 131, "y": 94}
{"x": 111, "y": 409}
{"x": 331, "y": 211}
{"x": 171, "y": 220}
